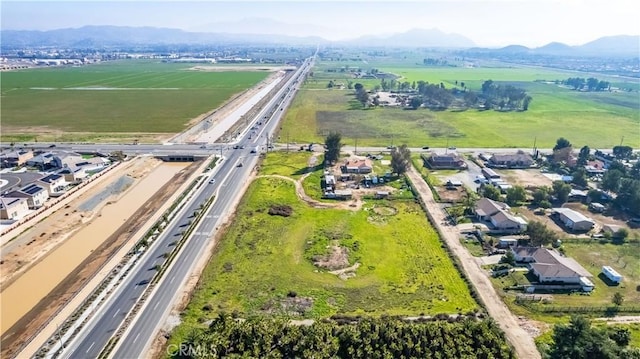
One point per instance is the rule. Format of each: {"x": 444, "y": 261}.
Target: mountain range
{"x": 224, "y": 34}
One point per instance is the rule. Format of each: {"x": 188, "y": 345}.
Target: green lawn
{"x": 262, "y": 259}
{"x": 554, "y": 112}
{"x": 114, "y": 97}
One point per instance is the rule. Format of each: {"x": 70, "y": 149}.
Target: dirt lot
{"x": 40, "y": 314}
{"x": 525, "y": 178}
{"x": 451, "y": 194}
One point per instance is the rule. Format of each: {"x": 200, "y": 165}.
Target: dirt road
{"x": 522, "y": 342}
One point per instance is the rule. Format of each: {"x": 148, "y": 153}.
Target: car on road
{"x": 452, "y": 148}
{"x": 52, "y": 146}
{"x": 391, "y": 147}
{"x": 213, "y": 180}
{"x": 236, "y": 147}
{"x": 203, "y": 146}
{"x": 239, "y": 164}
{"x": 425, "y": 147}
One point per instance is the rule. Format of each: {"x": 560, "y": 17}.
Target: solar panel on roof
{"x": 31, "y": 189}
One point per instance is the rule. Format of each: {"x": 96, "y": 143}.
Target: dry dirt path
{"x": 521, "y": 341}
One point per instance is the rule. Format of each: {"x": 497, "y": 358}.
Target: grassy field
{"x": 263, "y": 265}
{"x": 115, "y": 97}
{"x": 554, "y": 112}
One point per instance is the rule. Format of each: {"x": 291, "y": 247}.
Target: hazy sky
{"x": 487, "y": 23}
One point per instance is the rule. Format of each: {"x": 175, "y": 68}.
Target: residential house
{"x": 551, "y": 267}
{"x": 357, "y": 165}
{"x": 519, "y": 159}
{"x": 573, "y": 220}
{"x": 507, "y": 242}
{"x": 63, "y": 159}
{"x": 485, "y": 208}
{"x": 506, "y": 222}
{"x": 498, "y": 214}
{"x": 34, "y": 194}
{"x": 54, "y": 183}
{"x": 42, "y": 161}
{"x": 72, "y": 174}
{"x": 15, "y": 158}
{"x": 448, "y": 160}
{"x": 13, "y": 207}
{"x": 594, "y": 167}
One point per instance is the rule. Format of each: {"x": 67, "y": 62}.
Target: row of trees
{"x": 579, "y": 339}
{"x": 590, "y": 84}
{"x": 368, "y": 338}
{"x": 504, "y": 97}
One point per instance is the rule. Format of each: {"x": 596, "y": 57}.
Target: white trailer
{"x": 611, "y": 274}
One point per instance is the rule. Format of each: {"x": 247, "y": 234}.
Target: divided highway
{"x": 230, "y": 177}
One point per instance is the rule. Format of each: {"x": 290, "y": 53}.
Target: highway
{"x": 229, "y": 181}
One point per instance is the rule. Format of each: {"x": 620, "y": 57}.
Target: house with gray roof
{"x": 499, "y": 215}
{"x": 519, "y": 159}
{"x": 551, "y": 267}
{"x": 447, "y": 160}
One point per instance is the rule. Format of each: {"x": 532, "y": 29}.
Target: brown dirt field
{"x": 38, "y": 316}
{"x": 454, "y": 195}
{"x": 34, "y": 243}
{"x": 48, "y": 134}
{"x": 525, "y": 178}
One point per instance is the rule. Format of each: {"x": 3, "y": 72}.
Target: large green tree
{"x": 561, "y": 190}
{"x": 579, "y": 339}
{"x": 516, "y": 195}
{"x": 400, "y": 159}
{"x": 561, "y": 143}
{"x": 333, "y": 144}
{"x": 539, "y": 234}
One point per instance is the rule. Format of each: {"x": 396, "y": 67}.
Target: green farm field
{"x": 113, "y": 98}
{"x": 599, "y": 120}
{"x": 263, "y": 259}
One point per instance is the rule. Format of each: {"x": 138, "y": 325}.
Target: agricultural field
{"x": 554, "y": 112}
{"x": 385, "y": 258}
{"x": 112, "y": 99}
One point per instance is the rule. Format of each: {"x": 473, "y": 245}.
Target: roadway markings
{"x": 116, "y": 313}
{"x": 136, "y": 338}
{"x": 156, "y": 306}
{"x": 91, "y": 346}
{"x": 171, "y": 281}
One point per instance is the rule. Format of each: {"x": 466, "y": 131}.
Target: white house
{"x": 13, "y": 207}
{"x": 505, "y": 221}
{"x": 54, "y": 183}
{"x": 573, "y": 220}
{"x": 551, "y": 267}
{"x": 34, "y": 194}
